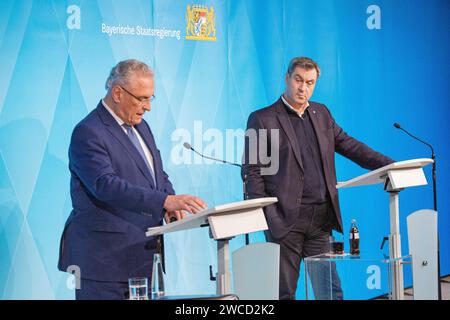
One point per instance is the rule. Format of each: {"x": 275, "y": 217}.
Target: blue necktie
{"x": 135, "y": 140}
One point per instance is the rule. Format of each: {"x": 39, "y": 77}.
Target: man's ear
{"x": 116, "y": 94}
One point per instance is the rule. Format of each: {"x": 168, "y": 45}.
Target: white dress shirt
{"x": 292, "y": 108}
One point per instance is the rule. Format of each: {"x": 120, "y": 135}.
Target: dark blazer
{"x": 287, "y": 183}
{"x": 114, "y": 201}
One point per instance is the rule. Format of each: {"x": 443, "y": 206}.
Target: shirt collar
{"x": 115, "y": 116}
{"x": 292, "y": 108}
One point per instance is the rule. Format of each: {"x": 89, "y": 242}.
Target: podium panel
{"x": 241, "y": 222}
{"x": 404, "y": 178}
{"x": 256, "y": 269}
{"x": 423, "y": 247}
{"x": 348, "y": 277}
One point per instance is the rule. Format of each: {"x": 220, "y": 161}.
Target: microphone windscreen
{"x": 187, "y": 145}
{"x": 397, "y": 125}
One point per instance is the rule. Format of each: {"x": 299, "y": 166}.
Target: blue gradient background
{"x": 51, "y": 77}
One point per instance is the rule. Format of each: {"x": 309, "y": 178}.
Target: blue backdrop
{"x": 381, "y": 61}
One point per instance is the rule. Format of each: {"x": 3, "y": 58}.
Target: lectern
{"x": 396, "y": 177}
{"x": 225, "y": 222}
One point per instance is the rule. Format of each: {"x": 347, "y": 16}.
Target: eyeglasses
{"x": 141, "y": 100}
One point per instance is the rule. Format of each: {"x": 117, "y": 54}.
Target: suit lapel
{"x": 115, "y": 130}
{"x": 314, "y": 114}
{"x": 147, "y": 136}
{"x": 286, "y": 125}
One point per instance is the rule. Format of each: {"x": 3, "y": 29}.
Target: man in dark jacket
{"x": 305, "y": 180}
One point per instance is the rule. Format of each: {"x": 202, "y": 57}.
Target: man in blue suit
{"x": 118, "y": 189}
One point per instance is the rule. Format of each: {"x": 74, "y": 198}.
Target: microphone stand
{"x": 245, "y": 179}
{"x": 433, "y": 172}
{"x": 247, "y": 236}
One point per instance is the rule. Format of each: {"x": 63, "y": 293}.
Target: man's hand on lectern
{"x": 185, "y": 202}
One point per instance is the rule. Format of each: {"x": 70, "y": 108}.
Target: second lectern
{"x": 395, "y": 177}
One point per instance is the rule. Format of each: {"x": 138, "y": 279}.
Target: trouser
{"x": 308, "y": 237}
{"x": 100, "y": 290}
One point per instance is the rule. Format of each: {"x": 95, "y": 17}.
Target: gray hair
{"x": 121, "y": 72}
{"x": 303, "y": 62}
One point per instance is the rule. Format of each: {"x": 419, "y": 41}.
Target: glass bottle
{"x": 354, "y": 238}
{"x": 157, "y": 284}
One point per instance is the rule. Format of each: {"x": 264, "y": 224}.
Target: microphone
{"x": 398, "y": 126}
{"x": 189, "y": 147}
{"x": 433, "y": 156}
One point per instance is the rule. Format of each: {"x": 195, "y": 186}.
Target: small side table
{"x": 351, "y": 277}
